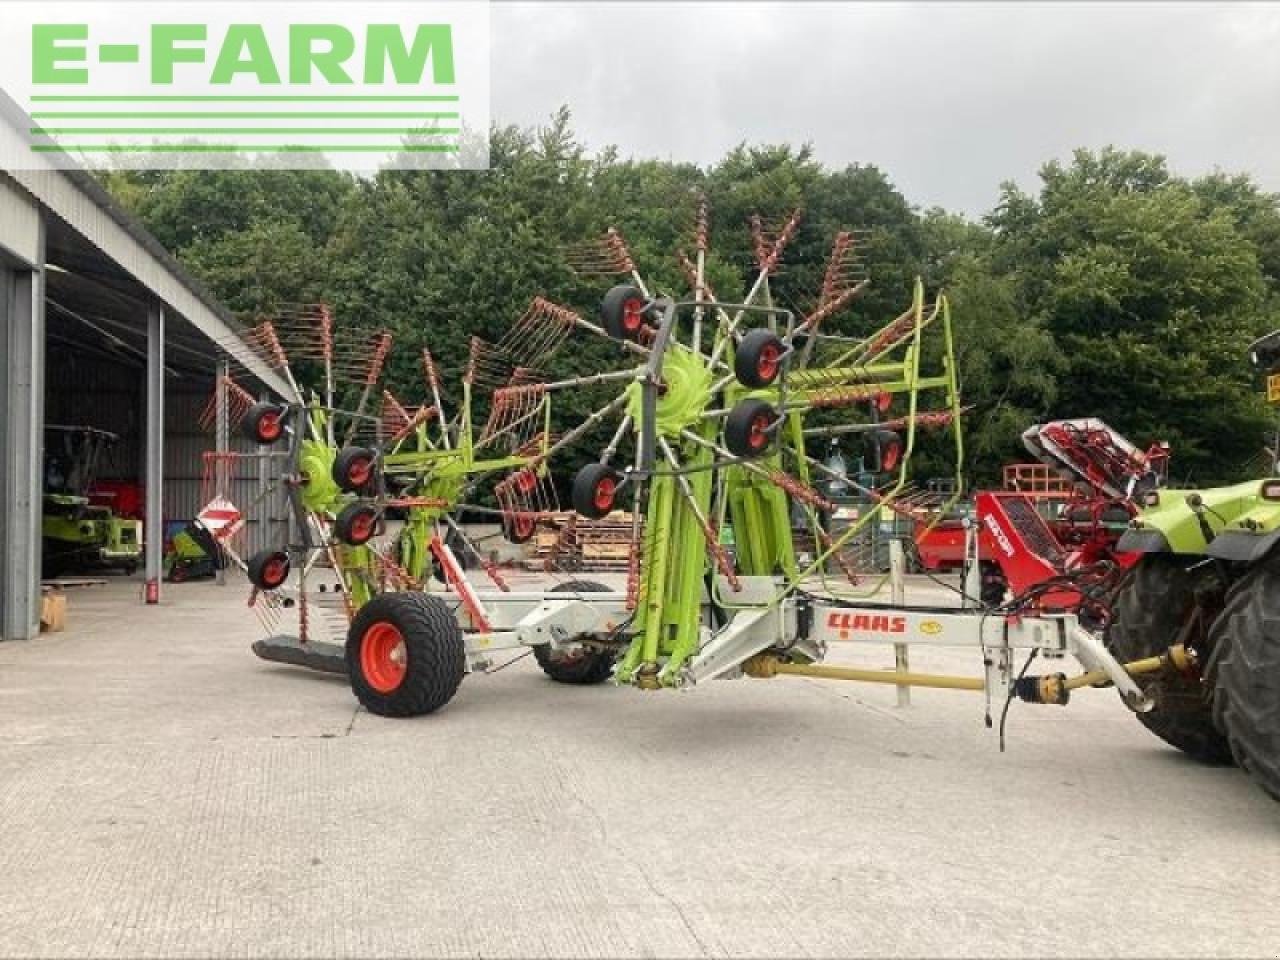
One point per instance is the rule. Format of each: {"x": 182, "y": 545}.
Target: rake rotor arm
{"x": 433, "y": 381}
{"x": 372, "y": 372}
{"x": 573, "y": 435}
{"x": 708, "y": 534}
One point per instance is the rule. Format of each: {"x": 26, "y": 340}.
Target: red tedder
{"x": 1066, "y": 560}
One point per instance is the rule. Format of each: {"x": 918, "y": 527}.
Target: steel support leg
{"x": 898, "y": 588}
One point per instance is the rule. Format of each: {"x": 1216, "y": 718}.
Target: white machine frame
{"x": 796, "y": 626}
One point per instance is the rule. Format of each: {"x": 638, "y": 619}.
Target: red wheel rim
{"x": 883, "y": 401}
{"x": 606, "y": 487}
{"x": 759, "y": 435}
{"x": 362, "y": 525}
{"x": 526, "y": 481}
{"x": 274, "y": 572}
{"x": 522, "y": 524}
{"x": 383, "y": 657}
{"x": 632, "y": 314}
{"x": 358, "y": 471}
{"x": 891, "y": 455}
{"x": 768, "y": 362}
{"x": 269, "y": 427}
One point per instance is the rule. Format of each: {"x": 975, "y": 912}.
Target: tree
{"x": 1116, "y": 289}
{"x": 1151, "y": 290}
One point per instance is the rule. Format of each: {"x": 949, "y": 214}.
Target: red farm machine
{"x": 1050, "y": 536}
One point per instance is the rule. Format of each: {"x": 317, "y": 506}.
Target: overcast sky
{"x": 949, "y": 98}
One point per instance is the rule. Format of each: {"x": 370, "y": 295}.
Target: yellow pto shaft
{"x": 1050, "y": 688}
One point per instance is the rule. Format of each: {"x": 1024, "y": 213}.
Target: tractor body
{"x": 76, "y": 534}
{"x": 1238, "y": 523}
{"x": 1208, "y": 574}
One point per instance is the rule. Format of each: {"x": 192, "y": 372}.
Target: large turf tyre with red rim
{"x": 594, "y": 491}
{"x": 268, "y": 569}
{"x": 356, "y": 524}
{"x": 1246, "y": 674}
{"x": 264, "y": 423}
{"x": 757, "y": 361}
{"x": 1150, "y": 613}
{"x": 405, "y": 654}
{"x": 353, "y": 468}
{"x": 622, "y": 312}
{"x": 748, "y": 429}
{"x": 584, "y": 667}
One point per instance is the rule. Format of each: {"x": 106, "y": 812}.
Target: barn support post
{"x": 154, "y": 535}
{"x": 221, "y": 442}
{"x": 22, "y": 360}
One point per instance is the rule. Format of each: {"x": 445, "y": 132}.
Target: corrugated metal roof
{"x": 79, "y": 200}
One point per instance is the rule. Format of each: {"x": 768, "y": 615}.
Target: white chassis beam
{"x": 757, "y": 625}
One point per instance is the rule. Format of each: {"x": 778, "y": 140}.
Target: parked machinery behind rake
{"x": 1070, "y": 560}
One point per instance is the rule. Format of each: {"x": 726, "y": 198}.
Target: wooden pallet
{"x": 579, "y": 543}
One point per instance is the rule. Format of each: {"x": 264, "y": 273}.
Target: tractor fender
{"x": 1143, "y": 541}
{"x": 1240, "y": 546}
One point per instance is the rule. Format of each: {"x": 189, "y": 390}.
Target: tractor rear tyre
{"x": 1246, "y": 674}
{"x": 1150, "y": 614}
{"x": 584, "y": 667}
{"x": 405, "y": 655}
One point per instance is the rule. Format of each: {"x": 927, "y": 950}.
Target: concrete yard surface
{"x": 165, "y": 793}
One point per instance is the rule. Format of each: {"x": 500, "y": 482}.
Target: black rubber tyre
{"x": 264, "y": 423}
{"x": 268, "y": 569}
{"x": 453, "y": 540}
{"x": 356, "y": 524}
{"x": 591, "y": 666}
{"x": 594, "y": 490}
{"x": 994, "y": 585}
{"x": 747, "y": 429}
{"x": 517, "y": 530}
{"x": 353, "y": 469}
{"x": 1246, "y": 674}
{"x": 757, "y": 361}
{"x": 622, "y": 312}
{"x": 883, "y": 451}
{"x": 1150, "y": 613}
{"x": 433, "y": 654}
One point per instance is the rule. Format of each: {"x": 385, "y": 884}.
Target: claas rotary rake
{"x": 371, "y": 486}
{"x": 709, "y": 415}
